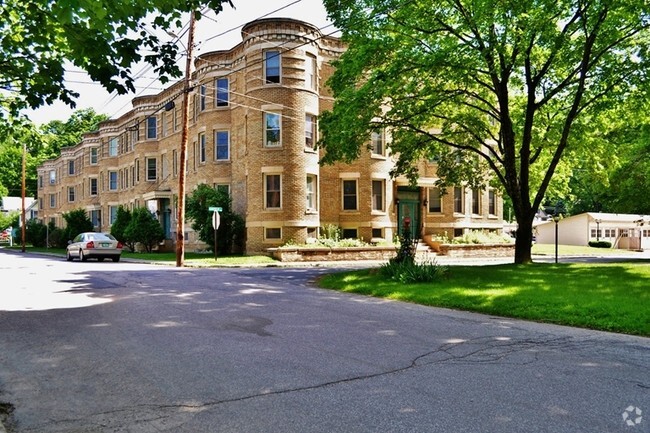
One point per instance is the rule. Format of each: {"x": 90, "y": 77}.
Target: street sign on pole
{"x": 216, "y": 221}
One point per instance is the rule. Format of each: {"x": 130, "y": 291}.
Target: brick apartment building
{"x": 253, "y": 127}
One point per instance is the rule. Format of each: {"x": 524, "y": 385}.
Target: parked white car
{"x": 94, "y": 245}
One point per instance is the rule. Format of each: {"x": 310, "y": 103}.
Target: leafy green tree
{"x": 57, "y": 134}
{"x": 230, "y": 234}
{"x": 41, "y": 38}
{"x": 77, "y": 221}
{"x": 496, "y": 92}
{"x": 144, "y": 229}
{"x": 36, "y": 233}
{"x": 119, "y": 226}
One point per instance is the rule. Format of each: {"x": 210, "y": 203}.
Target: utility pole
{"x": 180, "y": 221}
{"x": 24, "y": 222}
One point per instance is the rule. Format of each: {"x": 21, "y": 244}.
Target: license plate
{"x": 106, "y": 244}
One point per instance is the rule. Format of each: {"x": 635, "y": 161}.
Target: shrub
{"x": 36, "y": 233}
{"x": 482, "y": 237}
{"x": 600, "y": 244}
{"x": 408, "y": 272}
{"x": 144, "y": 229}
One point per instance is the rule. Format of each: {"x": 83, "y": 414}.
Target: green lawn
{"x": 575, "y": 250}
{"x": 608, "y": 297}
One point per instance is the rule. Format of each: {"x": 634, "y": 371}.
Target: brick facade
{"x": 247, "y": 133}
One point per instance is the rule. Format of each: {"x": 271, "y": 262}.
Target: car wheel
{"x": 68, "y": 257}
{"x": 82, "y": 257}
{"x": 116, "y": 259}
{"x": 100, "y": 259}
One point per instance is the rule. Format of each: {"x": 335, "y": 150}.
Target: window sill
{"x": 310, "y": 150}
{"x": 311, "y": 212}
{"x": 378, "y": 156}
{"x": 378, "y": 212}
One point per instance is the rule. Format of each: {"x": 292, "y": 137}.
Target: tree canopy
{"x": 506, "y": 92}
{"x": 39, "y": 38}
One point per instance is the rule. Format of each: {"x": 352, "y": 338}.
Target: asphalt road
{"x": 126, "y": 347}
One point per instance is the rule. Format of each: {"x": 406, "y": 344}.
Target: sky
{"x": 212, "y": 32}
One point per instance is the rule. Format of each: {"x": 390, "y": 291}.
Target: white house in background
{"x": 15, "y": 204}
{"x": 624, "y": 231}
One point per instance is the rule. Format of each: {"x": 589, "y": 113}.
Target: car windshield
{"x": 102, "y": 237}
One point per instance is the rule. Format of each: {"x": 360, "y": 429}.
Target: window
{"x": 175, "y": 162}
{"x": 94, "y": 155}
{"x": 222, "y": 145}
{"x": 40, "y": 181}
{"x": 202, "y": 147}
{"x": 349, "y": 233}
{"x": 272, "y": 233}
{"x": 311, "y": 188}
{"x": 94, "y": 217}
{"x": 52, "y": 177}
{"x": 310, "y": 72}
{"x": 225, "y": 187}
{"x": 272, "y": 130}
{"x": 378, "y": 195}
{"x": 175, "y": 120}
{"x": 458, "y": 200}
{"x": 152, "y": 168}
{"x": 52, "y": 200}
{"x": 310, "y": 131}
{"x": 476, "y": 201}
{"x": 202, "y": 90}
{"x": 71, "y": 194}
{"x": 349, "y": 195}
{"x": 93, "y": 186}
{"x": 151, "y": 127}
{"x": 435, "y": 200}
{"x": 223, "y": 90}
{"x": 272, "y": 189}
{"x": 135, "y": 135}
{"x": 378, "y": 233}
{"x": 70, "y": 167}
{"x": 272, "y": 67}
{"x": 112, "y": 214}
{"x": 112, "y": 180}
{"x": 377, "y": 143}
{"x": 113, "y": 146}
{"x": 137, "y": 170}
{"x": 492, "y": 202}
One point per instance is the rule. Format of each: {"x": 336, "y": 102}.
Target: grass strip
{"x": 609, "y": 297}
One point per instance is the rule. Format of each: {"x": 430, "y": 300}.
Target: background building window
{"x": 151, "y": 168}
{"x": 349, "y": 233}
{"x": 113, "y": 145}
{"x": 152, "y": 127}
{"x": 224, "y": 187}
{"x": 112, "y": 180}
{"x": 459, "y": 200}
{"x": 202, "y": 147}
{"x": 272, "y": 189}
{"x": 310, "y": 131}
{"x": 349, "y": 195}
{"x": 377, "y": 142}
{"x": 223, "y": 90}
{"x": 492, "y": 202}
{"x": 222, "y": 145}
{"x": 435, "y": 200}
{"x": 272, "y": 233}
{"x": 272, "y": 67}
{"x": 70, "y": 167}
{"x": 71, "y": 194}
{"x": 311, "y": 67}
{"x": 203, "y": 91}
{"x": 311, "y": 192}
{"x": 93, "y": 186}
{"x": 378, "y": 195}
{"x": 476, "y": 201}
{"x": 272, "y": 130}
{"x": 94, "y": 155}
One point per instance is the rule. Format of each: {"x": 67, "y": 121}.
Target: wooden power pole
{"x": 180, "y": 223}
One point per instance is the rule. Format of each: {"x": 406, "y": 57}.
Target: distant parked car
{"x": 93, "y": 245}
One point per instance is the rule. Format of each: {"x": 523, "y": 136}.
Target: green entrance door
{"x": 409, "y": 209}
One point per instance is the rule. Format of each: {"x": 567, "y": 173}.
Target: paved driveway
{"x": 124, "y": 347}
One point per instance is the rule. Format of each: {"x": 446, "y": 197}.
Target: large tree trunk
{"x": 524, "y": 241}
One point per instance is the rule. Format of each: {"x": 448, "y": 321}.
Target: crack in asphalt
{"x": 489, "y": 350}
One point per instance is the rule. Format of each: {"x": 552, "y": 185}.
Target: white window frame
{"x": 311, "y": 72}
{"x": 152, "y": 128}
{"x": 90, "y": 187}
{"x": 202, "y": 148}
{"x": 72, "y": 193}
{"x": 218, "y": 146}
{"x": 219, "y": 91}
{"x": 272, "y": 55}
{"x": 311, "y": 193}
{"x": 378, "y": 200}
{"x": 113, "y": 146}
{"x": 113, "y": 183}
{"x": 155, "y": 169}
{"x": 311, "y": 131}
{"x": 378, "y": 142}
{"x": 266, "y": 178}
{"x": 267, "y": 143}
{"x": 344, "y": 195}
{"x": 94, "y": 155}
